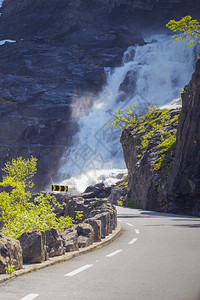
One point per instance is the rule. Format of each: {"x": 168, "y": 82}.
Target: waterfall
{"x": 152, "y": 74}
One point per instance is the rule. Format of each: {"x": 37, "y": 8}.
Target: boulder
{"x": 33, "y": 246}
{"x": 54, "y": 242}
{"x": 85, "y": 235}
{"x": 116, "y": 193}
{"x": 96, "y": 225}
{"x": 70, "y": 239}
{"x": 98, "y": 190}
{"x": 104, "y": 217}
{"x": 83, "y": 241}
{"x": 10, "y": 254}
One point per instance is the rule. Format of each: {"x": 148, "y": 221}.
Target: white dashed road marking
{"x": 132, "y": 241}
{"x": 113, "y": 253}
{"x": 129, "y": 224}
{"x": 137, "y": 231}
{"x": 78, "y": 270}
{"x": 30, "y": 297}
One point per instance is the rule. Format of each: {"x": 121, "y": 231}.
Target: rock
{"x": 36, "y": 107}
{"x": 54, "y": 242}
{"x": 96, "y": 225}
{"x": 196, "y": 209}
{"x": 147, "y": 185}
{"x": 116, "y": 193}
{"x": 10, "y": 254}
{"x": 62, "y": 49}
{"x": 85, "y": 235}
{"x": 184, "y": 182}
{"x": 104, "y": 217}
{"x": 99, "y": 190}
{"x": 33, "y": 246}
{"x": 70, "y": 239}
{"x": 83, "y": 241}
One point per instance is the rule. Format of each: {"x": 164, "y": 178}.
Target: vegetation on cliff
{"x": 19, "y": 212}
{"x": 154, "y": 121}
{"x": 146, "y": 126}
{"x": 185, "y": 28}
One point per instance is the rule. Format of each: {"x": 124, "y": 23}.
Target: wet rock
{"x": 10, "y": 254}
{"x": 33, "y": 245}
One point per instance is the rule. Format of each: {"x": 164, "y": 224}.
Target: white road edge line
{"x": 137, "y": 231}
{"x": 30, "y": 297}
{"x": 129, "y": 224}
{"x": 113, "y": 253}
{"x": 132, "y": 241}
{"x": 78, "y": 270}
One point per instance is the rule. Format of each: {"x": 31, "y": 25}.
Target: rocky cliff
{"x": 61, "y": 50}
{"x": 173, "y": 185}
{"x": 185, "y": 178}
{"x": 149, "y": 150}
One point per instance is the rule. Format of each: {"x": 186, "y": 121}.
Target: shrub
{"x": 19, "y": 212}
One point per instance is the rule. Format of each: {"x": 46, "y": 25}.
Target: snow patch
{"x": 2, "y": 42}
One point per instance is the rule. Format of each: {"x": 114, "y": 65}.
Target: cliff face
{"x": 61, "y": 50}
{"x": 149, "y": 149}
{"x": 185, "y": 178}
{"x": 175, "y": 187}
{"x": 59, "y": 56}
{"x": 61, "y": 18}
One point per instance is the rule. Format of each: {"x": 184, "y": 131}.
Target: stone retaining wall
{"x": 99, "y": 219}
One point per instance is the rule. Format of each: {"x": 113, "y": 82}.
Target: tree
{"x": 19, "y": 212}
{"x": 185, "y": 28}
{"x": 123, "y": 117}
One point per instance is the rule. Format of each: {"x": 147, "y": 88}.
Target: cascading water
{"x": 152, "y": 74}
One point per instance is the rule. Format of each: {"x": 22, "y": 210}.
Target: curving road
{"x": 157, "y": 257}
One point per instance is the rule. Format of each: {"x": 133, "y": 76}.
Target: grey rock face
{"x": 10, "y": 254}
{"x": 146, "y": 187}
{"x": 61, "y": 50}
{"x": 185, "y": 179}
{"x": 116, "y": 193}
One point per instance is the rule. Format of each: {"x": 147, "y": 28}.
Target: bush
{"x": 19, "y": 213}
{"x": 185, "y": 28}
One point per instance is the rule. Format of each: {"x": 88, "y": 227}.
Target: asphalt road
{"x": 157, "y": 257}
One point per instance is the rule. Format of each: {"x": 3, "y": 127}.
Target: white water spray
{"x": 152, "y": 74}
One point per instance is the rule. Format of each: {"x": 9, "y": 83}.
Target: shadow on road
{"x": 188, "y": 225}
